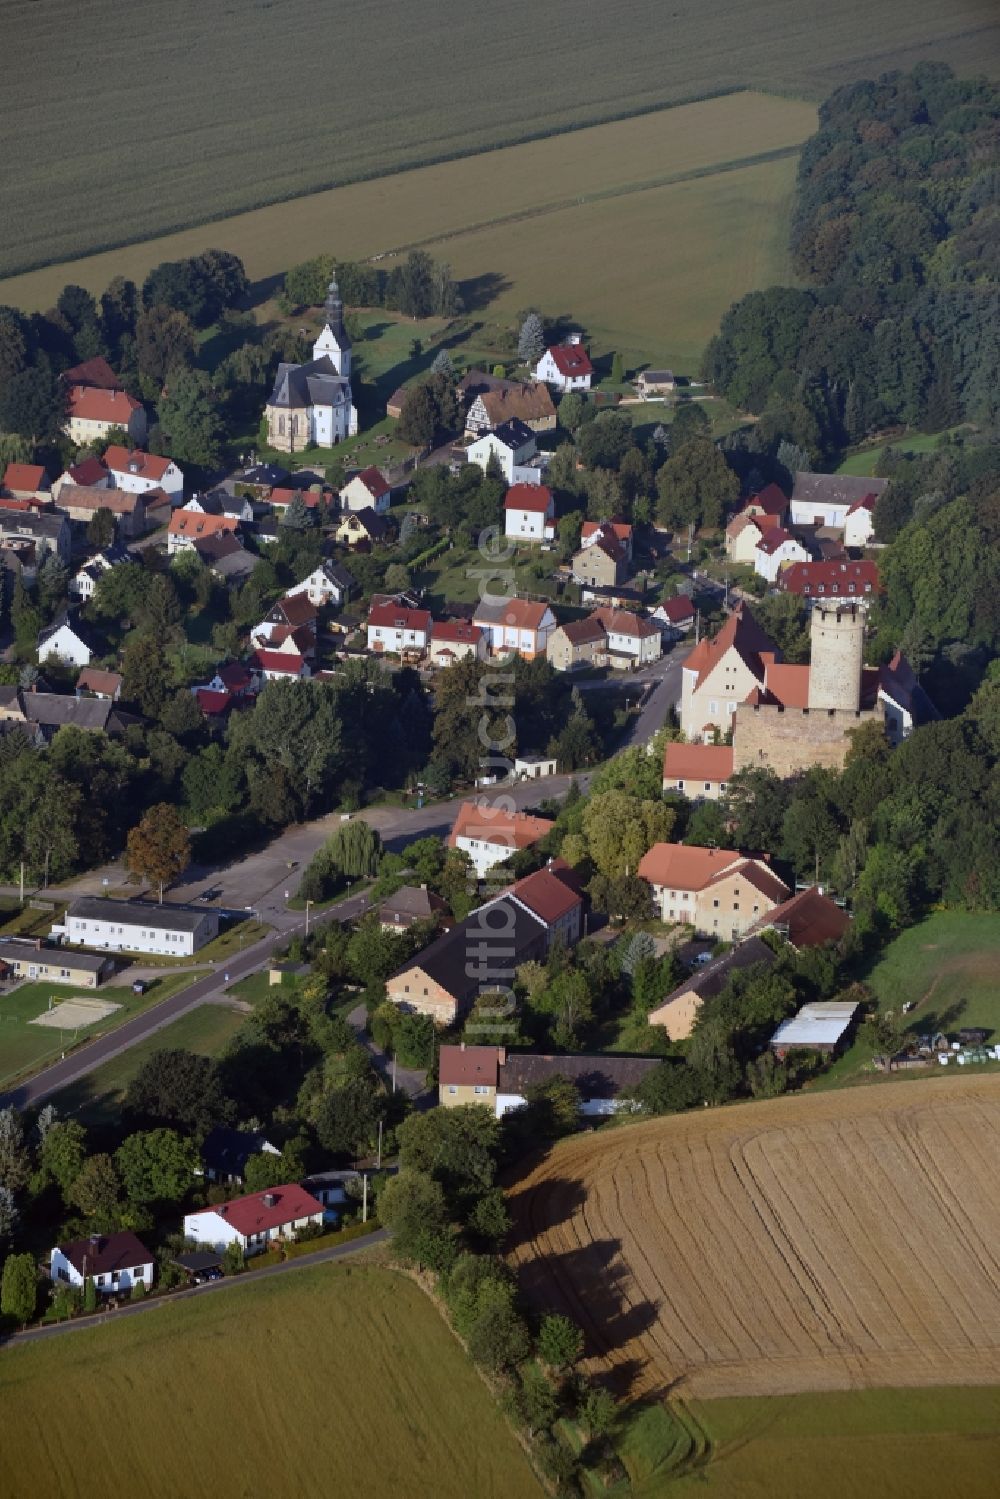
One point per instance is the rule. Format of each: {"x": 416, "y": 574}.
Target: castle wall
{"x": 788, "y": 740}
{"x": 836, "y": 656}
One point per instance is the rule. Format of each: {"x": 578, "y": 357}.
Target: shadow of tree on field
{"x": 478, "y": 292}
{"x": 542, "y": 1206}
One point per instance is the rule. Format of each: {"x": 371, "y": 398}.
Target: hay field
{"x": 826, "y": 1242}
{"x": 689, "y": 206}
{"x": 332, "y": 1380}
{"x": 190, "y": 112}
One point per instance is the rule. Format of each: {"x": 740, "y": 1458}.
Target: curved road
{"x": 261, "y": 880}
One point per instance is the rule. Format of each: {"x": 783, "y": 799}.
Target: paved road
{"x": 411, "y": 1080}
{"x": 157, "y": 1303}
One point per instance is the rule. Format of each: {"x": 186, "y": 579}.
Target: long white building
{"x": 137, "y": 926}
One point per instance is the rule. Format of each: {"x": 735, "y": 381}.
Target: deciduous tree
{"x": 159, "y": 847}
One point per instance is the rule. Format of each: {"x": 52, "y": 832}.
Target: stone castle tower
{"x": 837, "y": 653}
{"x": 334, "y": 340}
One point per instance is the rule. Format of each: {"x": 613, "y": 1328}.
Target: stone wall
{"x": 787, "y": 740}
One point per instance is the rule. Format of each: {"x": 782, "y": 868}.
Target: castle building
{"x": 311, "y": 404}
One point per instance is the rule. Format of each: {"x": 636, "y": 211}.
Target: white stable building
{"x": 137, "y": 926}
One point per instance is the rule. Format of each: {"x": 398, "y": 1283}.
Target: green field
{"x": 257, "y": 102}
{"x": 207, "y": 1030}
{"x": 865, "y": 1444}
{"x": 864, "y": 463}
{"x": 24, "y": 1047}
{"x": 332, "y": 1380}
{"x": 946, "y": 966}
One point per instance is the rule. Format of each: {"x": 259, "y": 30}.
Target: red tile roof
{"x": 395, "y": 617}
{"x": 96, "y": 497}
{"x": 465, "y": 1066}
{"x": 810, "y": 918}
{"x": 698, "y": 762}
{"x": 866, "y": 502}
{"x": 756, "y": 874}
{"x": 621, "y": 529}
{"x": 252, "y": 1215}
{"x": 95, "y": 372}
{"x": 533, "y": 497}
{"x": 741, "y": 633}
{"x": 547, "y": 893}
{"x": 93, "y": 405}
{"x": 832, "y": 579}
{"x": 279, "y": 498}
{"x": 771, "y": 500}
{"x": 277, "y": 661}
{"x": 773, "y": 539}
{"x": 681, "y": 868}
{"x": 296, "y": 609}
{"x": 571, "y": 360}
{"x": 520, "y": 614}
{"x": 29, "y": 476}
{"x": 145, "y": 465}
{"x": 489, "y": 824}
{"x": 788, "y": 685}
{"x": 211, "y": 701}
{"x": 678, "y": 610}
{"x": 374, "y": 481}
{"x": 91, "y": 471}
{"x": 234, "y": 675}
{"x": 458, "y": 631}
{"x": 93, "y": 679}
{"x": 193, "y": 524}
{"x": 622, "y": 622}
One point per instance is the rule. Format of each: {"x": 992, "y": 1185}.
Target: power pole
{"x": 22, "y": 882}
{"x": 378, "y": 1159}
{"x": 364, "y": 1197}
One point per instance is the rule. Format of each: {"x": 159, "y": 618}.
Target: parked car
{"x": 139, "y": 986}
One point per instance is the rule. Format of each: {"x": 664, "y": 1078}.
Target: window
{"x": 713, "y": 706}
{"x": 715, "y": 903}
{"x": 139, "y": 1274}
{"x": 708, "y": 785}
{"x": 480, "y": 1088}
{"x": 736, "y": 905}
{"x": 680, "y": 785}
{"x": 452, "y": 1088}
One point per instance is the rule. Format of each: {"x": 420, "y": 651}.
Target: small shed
{"x": 197, "y": 1262}
{"x": 532, "y": 767}
{"x": 281, "y": 973}
{"x": 824, "y": 1026}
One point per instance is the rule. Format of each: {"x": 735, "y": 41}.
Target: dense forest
{"x": 896, "y": 234}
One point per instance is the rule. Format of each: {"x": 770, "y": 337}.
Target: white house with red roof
{"x": 720, "y": 673}
{"x": 391, "y": 627}
{"x": 454, "y": 639}
{"x": 594, "y": 531}
{"x": 553, "y": 895}
{"x": 92, "y": 413}
{"x": 187, "y": 527}
{"x": 675, "y": 616}
{"x": 701, "y": 772}
{"x": 370, "y": 488}
{"x": 777, "y": 549}
{"x": 565, "y": 367}
{"x": 632, "y": 639}
{"x": 139, "y": 472}
{"x": 518, "y": 626}
{"x": 529, "y": 512}
{"x": 745, "y": 532}
{"x": 27, "y": 481}
{"x": 489, "y": 835}
{"x": 255, "y": 1221}
{"x": 716, "y": 890}
{"x": 277, "y": 666}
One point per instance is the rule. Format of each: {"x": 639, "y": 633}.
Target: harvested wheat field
{"x": 824, "y": 1242}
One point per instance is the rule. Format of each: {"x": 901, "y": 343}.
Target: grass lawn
{"x": 894, "y": 1444}
{"x": 866, "y": 461}
{"x": 344, "y": 1371}
{"x": 946, "y": 966}
{"x": 206, "y": 1030}
{"x": 24, "y": 1047}
{"x": 24, "y": 921}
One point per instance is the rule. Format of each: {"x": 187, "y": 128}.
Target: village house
{"x": 92, "y": 414}
{"x": 362, "y": 529}
{"x": 631, "y": 640}
{"x": 675, "y": 616}
{"x": 904, "y": 702}
{"x": 136, "y": 926}
{"x": 35, "y": 534}
{"x": 226, "y": 557}
{"x": 578, "y": 643}
{"x": 554, "y": 896}
{"x": 776, "y": 550}
{"x": 508, "y": 400}
{"x": 514, "y": 450}
{"x": 769, "y": 501}
{"x": 188, "y": 526}
{"x": 66, "y": 641}
{"x": 716, "y": 890}
{"x": 293, "y": 612}
{"x": 225, "y": 1153}
{"x": 255, "y": 1221}
{"x": 529, "y": 513}
{"x": 98, "y": 683}
{"x": 501, "y": 1080}
{"x": 31, "y": 958}
{"x": 678, "y": 1011}
{"x": 369, "y": 489}
{"x": 454, "y": 639}
{"x": 489, "y": 835}
{"x": 114, "y": 1262}
{"x": 597, "y": 530}
{"x": 89, "y": 472}
{"x": 701, "y": 772}
{"x": 613, "y": 595}
{"x": 81, "y": 502}
{"x": 515, "y": 626}
{"x": 809, "y": 919}
{"x": 409, "y": 905}
{"x": 604, "y": 555}
{"x": 42, "y": 714}
{"x": 830, "y": 580}
{"x": 328, "y": 586}
{"x": 393, "y": 628}
{"x": 140, "y": 472}
{"x": 649, "y": 383}
{"x": 311, "y": 404}
{"x": 26, "y": 481}
{"x": 565, "y": 367}
{"x": 277, "y": 666}
{"x": 744, "y": 534}
{"x": 830, "y": 499}
{"x": 83, "y": 583}
{"x": 221, "y": 501}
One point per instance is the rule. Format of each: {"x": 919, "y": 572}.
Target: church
{"x": 311, "y": 404}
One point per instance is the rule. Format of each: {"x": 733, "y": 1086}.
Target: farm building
{"x": 809, "y": 919}
{"x": 823, "y": 1026}
{"x": 677, "y": 1012}
{"x": 500, "y": 1079}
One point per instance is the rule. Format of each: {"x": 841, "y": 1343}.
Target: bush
{"x": 233, "y": 1259}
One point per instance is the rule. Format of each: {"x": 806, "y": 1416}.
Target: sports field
{"x": 190, "y": 112}
{"x": 645, "y": 230}
{"x": 334, "y": 1380}
{"x": 820, "y": 1242}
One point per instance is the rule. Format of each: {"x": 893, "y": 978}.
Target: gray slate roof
{"x": 47, "y": 525}
{"x": 834, "y": 489}
{"x": 595, "y": 1077}
{"x": 446, "y": 960}
{"x": 137, "y": 913}
{"x": 314, "y": 384}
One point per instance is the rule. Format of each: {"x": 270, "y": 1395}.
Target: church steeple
{"x": 334, "y": 342}
{"x": 334, "y": 309}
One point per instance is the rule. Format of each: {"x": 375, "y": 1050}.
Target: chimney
{"x": 463, "y": 1045}
{"x": 501, "y": 1056}
{"x": 270, "y": 1199}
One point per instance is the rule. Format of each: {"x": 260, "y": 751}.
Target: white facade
{"x": 330, "y": 346}
{"x": 831, "y": 513}
{"x": 320, "y": 589}
{"x": 642, "y": 648}
{"x": 397, "y": 638}
{"x": 210, "y": 1227}
{"x": 130, "y": 479}
{"x": 62, "y": 1270}
{"x": 547, "y": 370}
{"x": 128, "y": 928}
{"x": 357, "y": 496}
{"x": 589, "y": 1107}
{"x": 515, "y": 463}
{"x": 859, "y": 527}
{"x": 83, "y": 585}
{"x": 530, "y": 525}
{"x": 768, "y": 564}
{"x": 65, "y": 645}
{"x": 484, "y": 854}
{"x": 237, "y": 506}
{"x": 526, "y": 642}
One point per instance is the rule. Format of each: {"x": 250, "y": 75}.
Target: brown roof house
{"x": 529, "y": 401}
{"x": 410, "y": 904}
{"x": 501, "y": 1079}
{"x": 677, "y": 1013}
{"x": 716, "y": 890}
{"x": 578, "y": 643}
{"x": 603, "y": 558}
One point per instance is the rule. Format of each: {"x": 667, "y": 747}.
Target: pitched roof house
{"x": 81, "y": 502}
{"x": 393, "y": 628}
{"x": 368, "y": 489}
{"x": 529, "y": 513}
{"x": 93, "y": 412}
{"x": 361, "y": 528}
{"x": 838, "y": 579}
{"x": 102, "y": 684}
{"x": 96, "y": 373}
{"x": 490, "y": 835}
{"x": 675, "y": 616}
{"x": 255, "y": 1221}
{"x": 827, "y": 499}
{"x": 699, "y": 771}
{"x": 603, "y": 557}
{"x": 189, "y": 526}
{"x": 579, "y": 642}
{"x": 454, "y": 639}
{"x": 777, "y": 549}
{"x": 410, "y": 904}
{"x": 565, "y": 367}
{"x": 676, "y": 1014}
{"x": 905, "y": 702}
{"x": 808, "y": 919}
{"x": 527, "y": 401}
{"x": 225, "y": 1152}
{"x": 26, "y": 481}
{"x": 631, "y": 639}
{"x": 716, "y": 890}
{"x": 721, "y": 672}
{"x": 138, "y": 471}
{"x": 514, "y": 449}
{"x": 501, "y": 1079}
{"x": 67, "y": 641}
{"x": 114, "y": 1262}
{"x": 515, "y": 626}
